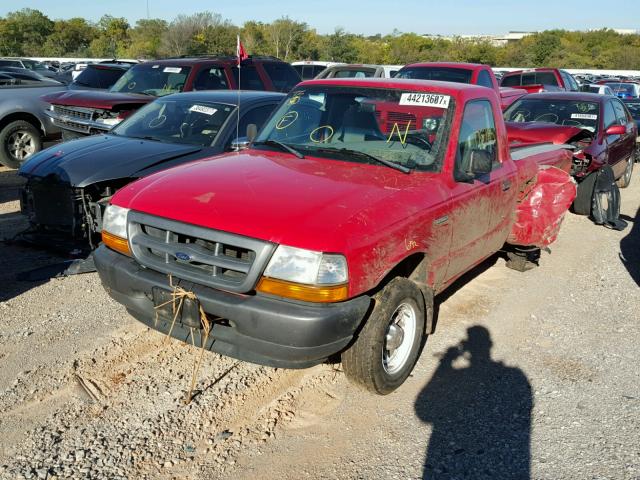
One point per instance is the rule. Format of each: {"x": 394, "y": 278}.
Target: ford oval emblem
{"x": 183, "y": 256}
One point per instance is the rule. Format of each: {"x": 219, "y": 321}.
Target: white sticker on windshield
{"x": 156, "y": 66}
{"x": 584, "y": 116}
{"x": 172, "y": 69}
{"x": 425, "y": 100}
{"x": 203, "y": 109}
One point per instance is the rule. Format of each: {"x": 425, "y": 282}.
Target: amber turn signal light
{"x": 306, "y": 293}
{"x": 116, "y": 243}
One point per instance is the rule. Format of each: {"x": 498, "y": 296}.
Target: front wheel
{"x": 625, "y": 179}
{"x": 388, "y": 345}
{"x": 18, "y": 141}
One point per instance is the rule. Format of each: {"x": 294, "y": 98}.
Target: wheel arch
{"x": 414, "y": 267}
{"x": 25, "y": 116}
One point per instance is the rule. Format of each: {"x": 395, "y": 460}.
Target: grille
{"x": 388, "y": 119}
{"x": 79, "y": 113}
{"x": 201, "y": 255}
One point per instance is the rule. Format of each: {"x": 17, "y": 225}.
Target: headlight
{"x": 306, "y": 275}
{"x": 109, "y": 121}
{"x": 306, "y": 266}
{"x": 114, "y": 229}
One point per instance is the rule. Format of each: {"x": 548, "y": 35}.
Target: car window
{"x": 484, "y": 79}
{"x": 445, "y": 74}
{"x": 211, "y": 78}
{"x": 97, "y": 77}
{"x": 357, "y": 124}
{"x": 249, "y": 78}
{"x": 152, "y": 79}
{"x": 477, "y": 132}
{"x": 354, "y": 73}
{"x": 621, "y": 115}
{"x": 10, "y": 63}
{"x": 257, "y": 115}
{"x": 177, "y": 120}
{"x": 511, "y": 81}
{"x": 609, "y": 115}
{"x": 282, "y": 75}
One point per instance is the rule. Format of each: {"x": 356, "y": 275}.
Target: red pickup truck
{"x": 541, "y": 80}
{"x": 334, "y": 231}
{"x": 473, "y": 73}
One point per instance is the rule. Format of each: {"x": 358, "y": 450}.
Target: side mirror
{"x": 616, "y": 130}
{"x": 481, "y": 163}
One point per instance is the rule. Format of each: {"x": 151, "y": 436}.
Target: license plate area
{"x": 189, "y": 314}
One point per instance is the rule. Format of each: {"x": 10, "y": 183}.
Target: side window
{"x": 211, "y": 78}
{"x": 283, "y": 77}
{"x": 258, "y": 116}
{"x": 249, "y": 78}
{"x": 477, "y": 132}
{"x": 609, "y": 115}
{"x": 621, "y": 115}
{"x": 484, "y": 79}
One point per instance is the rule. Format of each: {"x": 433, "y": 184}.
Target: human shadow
{"x": 630, "y": 249}
{"x": 480, "y": 415}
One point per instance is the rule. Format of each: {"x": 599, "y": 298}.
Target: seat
{"x": 358, "y": 125}
{"x": 208, "y": 82}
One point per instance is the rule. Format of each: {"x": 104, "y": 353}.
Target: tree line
{"x": 29, "y": 32}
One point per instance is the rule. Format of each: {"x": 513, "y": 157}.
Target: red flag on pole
{"x": 241, "y": 52}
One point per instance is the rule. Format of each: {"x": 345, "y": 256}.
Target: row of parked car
{"x": 316, "y": 218}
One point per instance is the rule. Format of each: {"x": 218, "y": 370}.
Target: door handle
{"x": 506, "y": 185}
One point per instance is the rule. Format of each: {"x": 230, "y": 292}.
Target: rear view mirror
{"x": 481, "y": 162}
{"x": 252, "y": 131}
{"x": 616, "y": 130}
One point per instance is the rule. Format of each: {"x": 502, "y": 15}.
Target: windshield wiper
{"x": 281, "y": 146}
{"x": 395, "y": 166}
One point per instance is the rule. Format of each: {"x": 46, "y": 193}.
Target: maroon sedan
{"x": 567, "y": 116}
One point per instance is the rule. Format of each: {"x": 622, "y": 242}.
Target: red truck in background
{"x": 539, "y": 80}
{"x": 473, "y": 73}
{"x": 334, "y": 231}
{"x": 80, "y": 113}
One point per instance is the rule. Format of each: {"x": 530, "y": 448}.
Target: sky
{"x": 448, "y": 17}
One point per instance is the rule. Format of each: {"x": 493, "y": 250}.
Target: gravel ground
{"x": 529, "y": 375}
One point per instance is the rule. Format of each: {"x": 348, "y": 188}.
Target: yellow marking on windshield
{"x": 322, "y": 139}
{"x": 396, "y": 128}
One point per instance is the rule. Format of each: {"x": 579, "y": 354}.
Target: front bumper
{"x": 255, "y": 328}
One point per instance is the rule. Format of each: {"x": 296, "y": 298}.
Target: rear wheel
{"x": 388, "y": 345}
{"x": 625, "y": 179}
{"x": 18, "y": 141}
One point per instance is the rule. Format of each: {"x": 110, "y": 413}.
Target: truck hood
{"x": 525, "y": 133}
{"x": 96, "y": 99}
{"x": 98, "y": 158}
{"x": 309, "y": 203}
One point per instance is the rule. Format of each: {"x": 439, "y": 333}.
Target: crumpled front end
{"x": 540, "y": 212}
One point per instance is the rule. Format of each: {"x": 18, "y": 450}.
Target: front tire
{"x": 625, "y": 179}
{"x": 19, "y": 140}
{"x": 387, "y": 347}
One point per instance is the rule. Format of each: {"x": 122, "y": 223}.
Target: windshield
{"x": 576, "y": 113}
{"x": 34, "y": 65}
{"x": 156, "y": 80}
{"x": 172, "y": 120}
{"x": 444, "y": 74}
{"x": 354, "y": 124}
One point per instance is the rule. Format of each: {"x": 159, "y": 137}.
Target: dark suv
{"x": 80, "y": 113}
